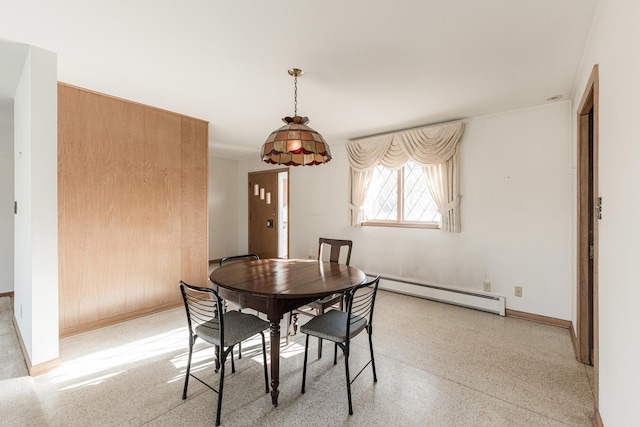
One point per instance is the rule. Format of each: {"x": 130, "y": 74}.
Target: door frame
{"x": 590, "y": 100}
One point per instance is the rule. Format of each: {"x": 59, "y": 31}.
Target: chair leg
{"x": 264, "y": 355}
{"x": 373, "y": 362}
{"x": 239, "y": 346}
{"x": 289, "y": 316}
{"x": 186, "y": 377}
{"x": 319, "y": 312}
{"x": 233, "y": 364}
{"x": 295, "y": 323}
{"x": 335, "y": 354}
{"x": 346, "y": 368}
{"x": 304, "y": 368}
{"x": 220, "y": 388}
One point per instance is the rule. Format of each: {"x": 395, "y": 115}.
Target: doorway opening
{"x": 283, "y": 214}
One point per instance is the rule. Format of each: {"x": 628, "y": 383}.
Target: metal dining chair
{"x": 238, "y": 258}
{"x": 229, "y": 260}
{"x": 319, "y": 306}
{"x": 341, "y": 327}
{"x": 206, "y": 320}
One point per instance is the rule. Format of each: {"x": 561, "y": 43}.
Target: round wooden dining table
{"x": 277, "y": 286}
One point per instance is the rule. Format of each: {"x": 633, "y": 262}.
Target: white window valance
{"x": 435, "y": 148}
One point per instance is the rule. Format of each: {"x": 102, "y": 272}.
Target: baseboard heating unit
{"x": 462, "y": 297}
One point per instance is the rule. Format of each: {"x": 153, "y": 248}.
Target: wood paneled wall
{"x": 132, "y": 206}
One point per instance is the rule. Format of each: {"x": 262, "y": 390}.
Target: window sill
{"x": 428, "y": 225}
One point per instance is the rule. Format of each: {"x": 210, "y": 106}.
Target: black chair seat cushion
{"x": 332, "y": 326}
{"x": 237, "y": 327}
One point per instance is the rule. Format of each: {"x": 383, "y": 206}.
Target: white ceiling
{"x": 370, "y": 66}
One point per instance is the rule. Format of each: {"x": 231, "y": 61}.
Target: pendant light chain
{"x": 295, "y": 94}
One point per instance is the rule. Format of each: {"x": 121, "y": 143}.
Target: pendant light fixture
{"x": 295, "y": 143}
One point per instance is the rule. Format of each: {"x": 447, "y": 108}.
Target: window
{"x": 436, "y": 146}
{"x": 400, "y": 198}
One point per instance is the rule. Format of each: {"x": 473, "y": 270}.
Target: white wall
{"x": 36, "y": 224}
{"x": 516, "y": 214}
{"x": 6, "y": 196}
{"x": 614, "y": 45}
{"x": 223, "y": 207}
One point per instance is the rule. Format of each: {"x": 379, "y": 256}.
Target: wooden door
{"x": 264, "y": 219}
{"x": 588, "y": 214}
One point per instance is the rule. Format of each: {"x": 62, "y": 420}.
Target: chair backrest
{"x": 360, "y": 303}
{"x": 202, "y": 306}
{"x": 336, "y": 246}
{"x": 238, "y": 258}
